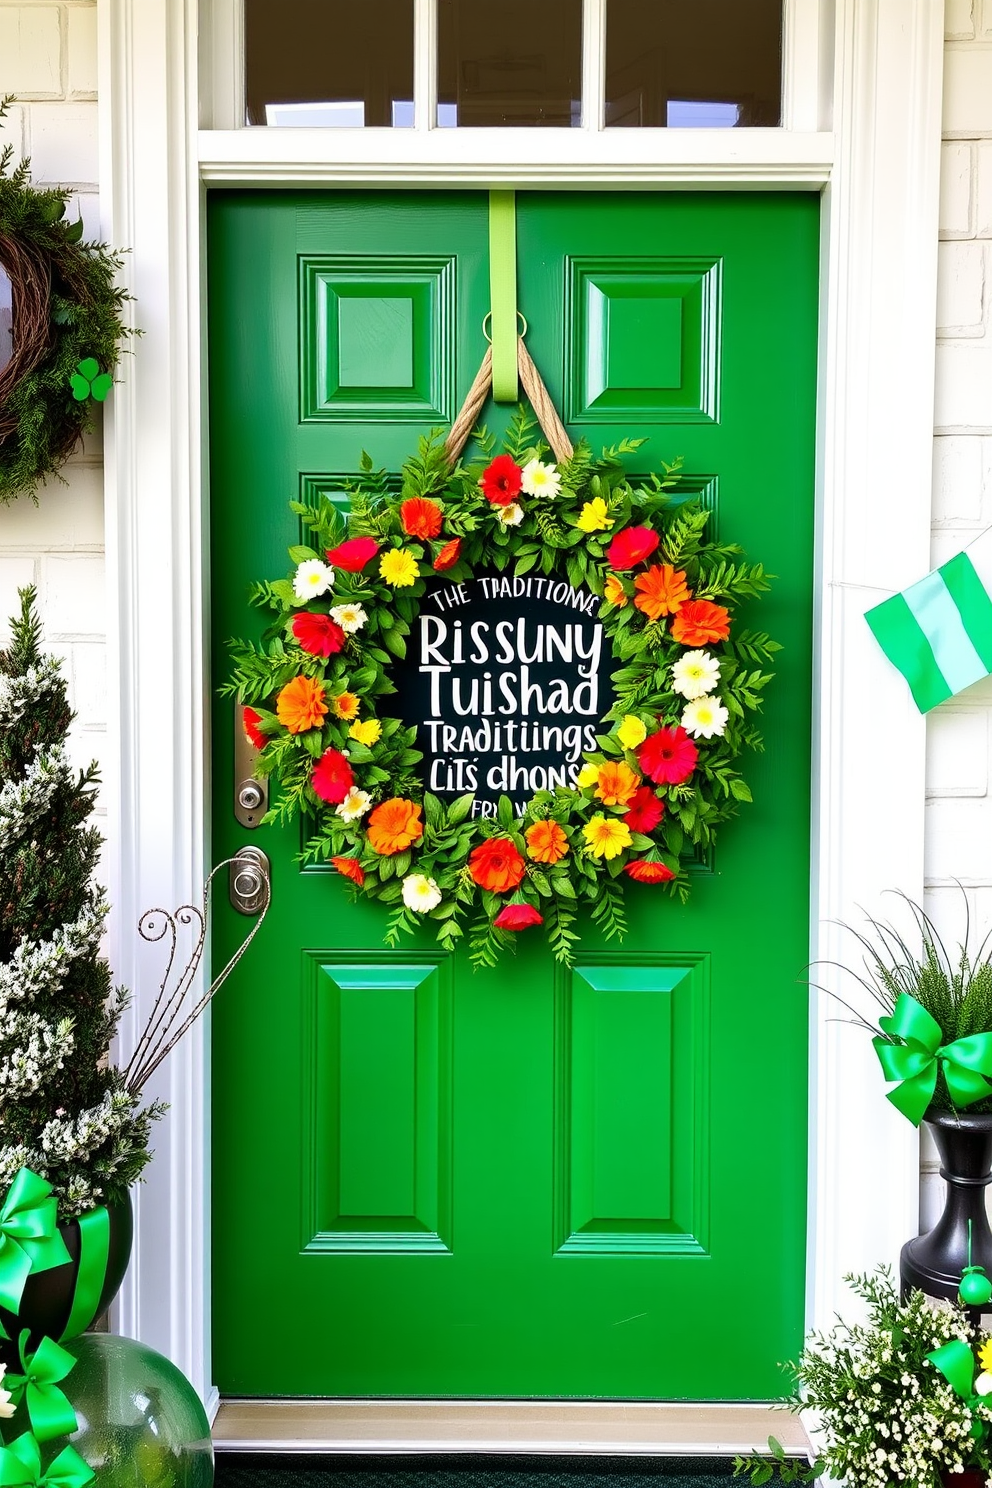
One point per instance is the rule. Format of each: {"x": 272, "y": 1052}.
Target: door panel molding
{"x": 880, "y": 170}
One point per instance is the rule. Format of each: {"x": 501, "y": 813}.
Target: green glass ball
{"x": 976, "y": 1288}
{"x": 141, "y": 1423}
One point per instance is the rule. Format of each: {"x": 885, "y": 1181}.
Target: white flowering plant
{"x": 888, "y": 1412}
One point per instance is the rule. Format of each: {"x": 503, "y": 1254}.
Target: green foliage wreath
{"x": 664, "y": 774}
{"x": 66, "y": 332}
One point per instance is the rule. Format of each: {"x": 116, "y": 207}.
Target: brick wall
{"x": 48, "y": 62}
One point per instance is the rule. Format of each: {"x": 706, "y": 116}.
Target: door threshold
{"x": 579, "y": 1427}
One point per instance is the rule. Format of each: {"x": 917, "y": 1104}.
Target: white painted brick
{"x": 30, "y": 51}
{"x": 81, "y": 35}
{"x": 958, "y": 840}
{"x": 964, "y": 386}
{"x": 12, "y": 130}
{"x": 958, "y": 479}
{"x": 74, "y": 596}
{"x": 84, "y": 666}
{"x": 959, "y": 20}
{"x": 958, "y": 752}
{"x": 946, "y": 542}
{"x": 955, "y": 188}
{"x": 86, "y": 204}
{"x": 985, "y": 24}
{"x": 983, "y": 189}
{"x": 967, "y": 89}
{"x": 15, "y": 573}
{"x": 67, "y": 516}
{"x": 961, "y": 269}
{"x": 63, "y": 142}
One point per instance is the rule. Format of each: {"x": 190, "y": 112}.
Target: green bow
{"x": 956, "y": 1363}
{"x": 20, "y": 1467}
{"x": 29, "y": 1240}
{"x": 914, "y": 1061}
{"x": 49, "y": 1410}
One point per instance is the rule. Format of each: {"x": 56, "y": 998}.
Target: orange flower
{"x": 616, "y": 784}
{"x": 546, "y": 842}
{"x": 699, "y": 623}
{"x": 613, "y": 592}
{"x": 496, "y": 865}
{"x": 641, "y": 870}
{"x": 351, "y": 868}
{"x": 345, "y": 705}
{"x": 661, "y": 591}
{"x": 420, "y": 517}
{"x": 301, "y": 705}
{"x": 394, "y": 826}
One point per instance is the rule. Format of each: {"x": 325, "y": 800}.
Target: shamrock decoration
{"x": 89, "y": 382}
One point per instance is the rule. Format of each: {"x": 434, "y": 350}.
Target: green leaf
{"x": 80, "y": 387}
{"x": 395, "y": 642}
{"x": 102, "y": 386}
{"x": 504, "y": 812}
{"x": 300, "y": 553}
{"x": 459, "y": 810}
{"x": 740, "y": 790}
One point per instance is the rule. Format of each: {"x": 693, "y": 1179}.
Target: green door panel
{"x": 532, "y": 1180}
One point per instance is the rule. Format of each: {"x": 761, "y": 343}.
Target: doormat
{"x": 470, "y": 1471}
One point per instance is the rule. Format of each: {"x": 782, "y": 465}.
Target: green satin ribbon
{"x": 503, "y": 293}
{"x": 48, "y": 1407}
{"x": 29, "y": 1239}
{"x": 956, "y": 1363}
{"x": 20, "y": 1467}
{"x": 915, "y": 1061}
{"x": 91, "y": 1274}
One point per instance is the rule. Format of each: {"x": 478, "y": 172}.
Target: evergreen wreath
{"x": 66, "y": 328}
{"x": 664, "y": 775}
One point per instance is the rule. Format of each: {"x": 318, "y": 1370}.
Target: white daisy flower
{"x": 420, "y": 893}
{"x": 6, "y": 1399}
{"x": 540, "y": 480}
{"x": 695, "y": 674}
{"x": 705, "y": 717}
{"x": 354, "y": 805}
{"x": 312, "y": 578}
{"x": 510, "y": 516}
{"x": 983, "y": 1384}
{"x": 350, "y": 617}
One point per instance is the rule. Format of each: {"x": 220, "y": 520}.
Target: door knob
{"x": 249, "y": 880}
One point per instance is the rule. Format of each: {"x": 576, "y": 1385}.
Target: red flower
{"x": 668, "y": 757}
{"x": 351, "y": 868}
{"x": 501, "y": 481}
{"x": 332, "y": 778}
{"x": 251, "y": 720}
{"x": 645, "y": 810}
{"x": 700, "y": 623}
{"x": 517, "y": 917}
{"x": 449, "y": 555}
{"x": 353, "y": 555}
{"x": 644, "y": 872}
{"x": 318, "y": 634}
{"x": 496, "y": 865}
{"x": 421, "y": 518}
{"x": 631, "y": 546}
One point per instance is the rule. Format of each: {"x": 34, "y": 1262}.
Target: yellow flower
{"x": 613, "y": 591}
{"x": 345, "y": 705}
{"x": 398, "y": 568}
{"x": 606, "y": 837}
{"x": 631, "y": 732}
{"x": 594, "y": 516}
{"x": 588, "y": 775}
{"x": 366, "y": 733}
{"x": 985, "y": 1356}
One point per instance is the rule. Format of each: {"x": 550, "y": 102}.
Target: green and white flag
{"x": 939, "y": 632}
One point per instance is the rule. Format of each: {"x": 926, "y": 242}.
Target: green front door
{"x": 524, "y": 1181}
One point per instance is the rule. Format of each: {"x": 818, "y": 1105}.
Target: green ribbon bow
{"x": 49, "y": 1410}
{"x": 29, "y": 1239}
{"x": 956, "y": 1363}
{"x": 20, "y": 1467}
{"x": 915, "y": 1061}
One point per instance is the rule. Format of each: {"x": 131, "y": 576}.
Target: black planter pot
{"x": 46, "y": 1303}
{"x": 933, "y": 1262}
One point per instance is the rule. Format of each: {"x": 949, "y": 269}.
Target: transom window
{"x": 685, "y": 64}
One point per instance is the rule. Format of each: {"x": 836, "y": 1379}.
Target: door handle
{"x": 249, "y": 880}
{"x": 251, "y": 796}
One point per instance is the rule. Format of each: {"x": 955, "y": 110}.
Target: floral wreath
{"x": 315, "y": 690}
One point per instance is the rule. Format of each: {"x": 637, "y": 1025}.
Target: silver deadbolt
{"x": 249, "y": 880}
{"x": 251, "y": 796}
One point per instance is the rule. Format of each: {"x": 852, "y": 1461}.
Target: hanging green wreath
{"x": 663, "y": 775}
{"x": 65, "y": 333}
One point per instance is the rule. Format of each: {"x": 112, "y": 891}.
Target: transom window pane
{"x": 329, "y": 63}
{"x": 693, "y": 64}
{"x": 509, "y": 62}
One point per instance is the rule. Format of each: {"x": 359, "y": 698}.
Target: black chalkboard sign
{"x": 506, "y": 680}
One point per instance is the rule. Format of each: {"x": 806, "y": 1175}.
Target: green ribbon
{"x": 48, "y": 1407}
{"x": 29, "y": 1239}
{"x": 91, "y": 1274}
{"x": 915, "y": 1061}
{"x": 503, "y": 293}
{"x": 956, "y": 1363}
{"x": 20, "y": 1467}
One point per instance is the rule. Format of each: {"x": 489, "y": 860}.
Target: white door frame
{"x": 878, "y": 171}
